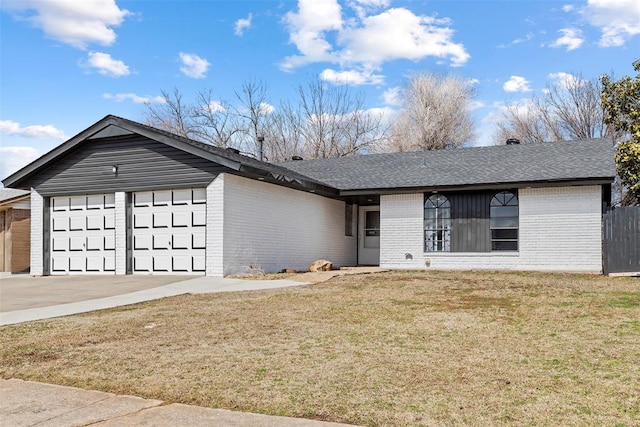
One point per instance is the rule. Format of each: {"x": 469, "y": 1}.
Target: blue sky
{"x": 65, "y": 64}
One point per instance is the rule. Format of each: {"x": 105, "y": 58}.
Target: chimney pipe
{"x": 260, "y": 147}
{"x": 513, "y": 141}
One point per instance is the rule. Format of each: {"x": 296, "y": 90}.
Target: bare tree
{"x": 334, "y": 122}
{"x": 435, "y": 114}
{"x": 252, "y": 113}
{"x": 568, "y": 109}
{"x": 172, "y": 115}
{"x": 213, "y": 120}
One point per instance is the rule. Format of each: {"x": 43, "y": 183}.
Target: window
{"x": 437, "y": 224}
{"x": 348, "y": 219}
{"x": 504, "y": 222}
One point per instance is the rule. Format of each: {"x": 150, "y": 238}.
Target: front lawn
{"x": 397, "y": 348}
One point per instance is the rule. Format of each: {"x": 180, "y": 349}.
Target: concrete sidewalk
{"x": 26, "y": 403}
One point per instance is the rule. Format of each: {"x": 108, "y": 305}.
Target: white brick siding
{"x": 270, "y": 227}
{"x": 215, "y": 227}
{"x": 37, "y": 233}
{"x": 560, "y": 230}
{"x": 121, "y": 232}
{"x": 401, "y": 223}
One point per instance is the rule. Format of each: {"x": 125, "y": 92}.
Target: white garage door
{"x": 169, "y": 229}
{"x": 83, "y": 234}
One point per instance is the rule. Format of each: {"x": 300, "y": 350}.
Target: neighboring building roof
{"x": 570, "y": 161}
{"x": 8, "y": 195}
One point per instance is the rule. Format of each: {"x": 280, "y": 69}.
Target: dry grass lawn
{"x": 397, "y": 348}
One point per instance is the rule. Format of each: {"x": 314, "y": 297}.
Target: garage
{"x": 169, "y": 230}
{"x": 83, "y": 234}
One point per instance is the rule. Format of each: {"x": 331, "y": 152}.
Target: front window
{"x": 504, "y": 222}
{"x": 437, "y": 224}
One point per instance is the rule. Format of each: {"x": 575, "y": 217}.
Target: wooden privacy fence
{"x": 621, "y": 241}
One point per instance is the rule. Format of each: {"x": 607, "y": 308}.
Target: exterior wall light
{"x": 114, "y": 169}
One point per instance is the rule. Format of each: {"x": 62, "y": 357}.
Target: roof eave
{"x": 480, "y": 186}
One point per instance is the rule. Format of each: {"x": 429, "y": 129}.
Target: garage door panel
{"x": 76, "y": 223}
{"x": 110, "y": 243}
{"x": 60, "y": 204}
{"x": 77, "y": 264}
{"x": 142, "y": 220}
{"x": 95, "y": 243}
{"x": 60, "y": 223}
{"x": 198, "y": 241}
{"x": 181, "y": 219}
{"x": 181, "y": 197}
{"x": 77, "y": 203}
{"x": 60, "y": 244}
{"x": 161, "y": 219}
{"x": 181, "y": 241}
{"x": 109, "y": 264}
{"x": 199, "y": 196}
{"x": 198, "y": 263}
{"x": 60, "y": 263}
{"x": 142, "y": 242}
{"x": 199, "y": 218}
{"x": 165, "y": 231}
{"x": 162, "y": 263}
{"x": 95, "y": 264}
{"x": 109, "y": 222}
{"x": 76, "y": 243}
{"x": 142, "y": 263}
{"x": 161, "y": 241}
{"x": 162, "y": 198}
{"x": 95, "y": 222}
{"x": 143, "y": 198}
{"x": 95, "y": 202}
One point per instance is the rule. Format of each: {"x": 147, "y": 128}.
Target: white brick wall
{"x": 215, "y": 227}
{"x": 270, "y": 227}
{"x": 121, "y": 232}
{"x": 37, "y": 232}
{"x": 401, "y": 233}
{"x": 560, "y": 230}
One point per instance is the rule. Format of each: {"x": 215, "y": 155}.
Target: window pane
{"x": 504, "y": 222}
{"x": 372, "y": 219}
{"x": 504, "y": 211}
{"x": 504, "y": 246}
{"x": 505, "y": 233}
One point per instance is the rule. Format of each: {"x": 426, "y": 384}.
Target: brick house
{"x": 15, "y": 224}
{"x": 125, "y": 198}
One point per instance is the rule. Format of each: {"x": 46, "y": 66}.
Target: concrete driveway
{"x": 21, "y": 291}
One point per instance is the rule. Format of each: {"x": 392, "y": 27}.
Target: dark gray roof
{"x": 582, "y": 160}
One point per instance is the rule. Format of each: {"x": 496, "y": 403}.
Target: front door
{"x": 369, "y": 235}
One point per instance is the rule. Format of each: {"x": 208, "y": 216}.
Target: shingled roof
{"x": 570, "y": 161}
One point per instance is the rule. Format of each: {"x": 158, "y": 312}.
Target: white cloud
{"x": 618, "y": 20}
{"x": 12, "y": 158}
{"x": 9, "y": 127}
{"x": 106, "y": 65}
{"x": 193, "y": 66}
{"x": 366, "y": 41}
{"x": 566, "y": 80}
{"x": 136, "y": 99}
{"x": 216, "y": 107}
{"x": 77, "y": 23}
{"x": 393, "y": 96}
{"x": 516, "y": 84}
{"x": 567, "y": 8}
{"x": 353, "y": 77}
{"x": 242, "y": 24}
{"x": 266, "y": 108}
{"x": 571, "y": 38}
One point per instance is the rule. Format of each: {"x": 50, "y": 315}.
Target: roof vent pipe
{"x": 260, "y": 146}
{"x": 233, "y": 150}
{"x": 513, "y": 141}
{"x": 297, "y": 158}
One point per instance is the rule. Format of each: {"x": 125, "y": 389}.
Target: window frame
{"x": 501, "y": 208}
{"x": 437, "y": 211}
